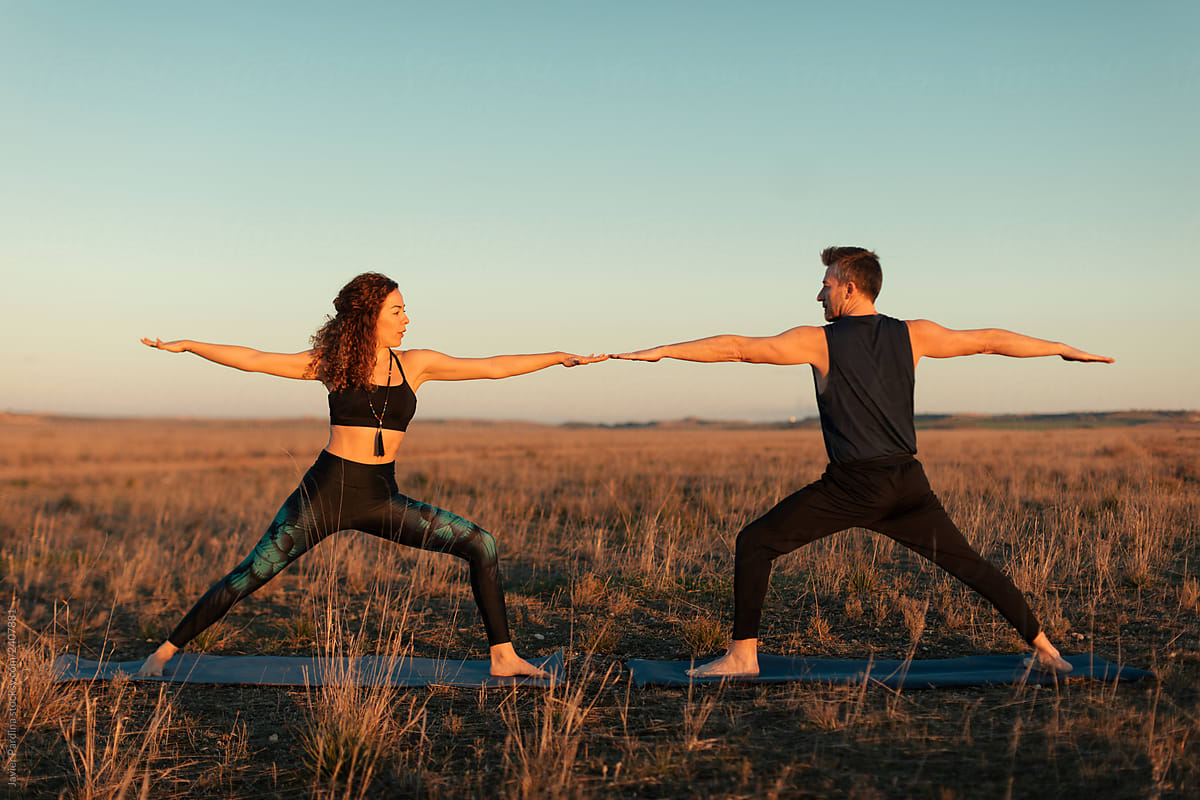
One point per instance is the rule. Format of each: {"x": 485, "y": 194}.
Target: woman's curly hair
{"x": 343, "y": 349}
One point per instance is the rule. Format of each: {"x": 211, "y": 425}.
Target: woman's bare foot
{"x": 506, "y": 663}
{"x": 741, "y": 660}
{"x": 1046, "y": 657}
{"x": 153, "y": 666}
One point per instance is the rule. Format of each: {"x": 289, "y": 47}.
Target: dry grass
{"x": 110, "y": 756}
{"x": 350, "y": 724}
{"x": 615, "y": 544}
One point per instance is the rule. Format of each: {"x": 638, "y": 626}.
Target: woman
{"x": 352, "y": 484}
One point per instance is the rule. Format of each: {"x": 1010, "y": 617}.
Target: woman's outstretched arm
{"x": 285, "y": 365}
{"x": 430, "y": 365}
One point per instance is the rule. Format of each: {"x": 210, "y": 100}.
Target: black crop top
{"x": 350, "y": 406}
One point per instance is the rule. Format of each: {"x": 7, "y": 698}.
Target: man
{"x": 864, "y": 366}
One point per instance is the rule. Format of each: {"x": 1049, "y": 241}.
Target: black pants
{"x": 890, "y": 495}
{"x": 337, "y": 495}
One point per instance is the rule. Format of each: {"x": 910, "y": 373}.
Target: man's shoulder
{"x": 921, "y": 325}
{"x": 896, "y": 320}
{"x": 804, "y": 331}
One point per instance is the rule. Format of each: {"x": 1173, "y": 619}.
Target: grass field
{"x": 615, "y": 544}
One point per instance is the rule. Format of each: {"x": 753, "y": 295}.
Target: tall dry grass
{"x": 113, "y": 758}
{"x": 614, "y": 544}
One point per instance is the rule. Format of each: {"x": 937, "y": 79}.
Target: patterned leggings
{"x": 337, "y": 495}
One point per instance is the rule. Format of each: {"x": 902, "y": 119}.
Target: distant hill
{"x": 1102, "y": 419}
{"x": 1091, "y": 419}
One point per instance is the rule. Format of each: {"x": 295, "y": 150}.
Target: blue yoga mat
{"x": 930, "y": 674}
{"x": 292, "y": 671}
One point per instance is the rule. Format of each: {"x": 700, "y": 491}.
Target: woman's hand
{"x": 572, "y": 360}
{"x": 177, "y": 346}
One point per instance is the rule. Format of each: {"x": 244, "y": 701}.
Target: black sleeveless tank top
{"x": 867, "y": 406}
{"x": 351, "y": 407}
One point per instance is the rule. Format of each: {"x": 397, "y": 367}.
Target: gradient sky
{"x": 594, "y": 177}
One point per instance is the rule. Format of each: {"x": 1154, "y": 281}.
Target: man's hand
{"x": 1075, "y": 354}
{"x": 651, "y": 354}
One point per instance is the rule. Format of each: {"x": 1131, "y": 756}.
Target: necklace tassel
{"x": 387, "y": 393}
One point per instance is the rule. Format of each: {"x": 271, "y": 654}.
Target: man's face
{"x": 833, "y": 296}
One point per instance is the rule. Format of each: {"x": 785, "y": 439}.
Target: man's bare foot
{"x": 153, "y": 666}
{"x": 741, "y": 660}
{"x": 507, "y": 664}
{"x": 1046, "y": 657}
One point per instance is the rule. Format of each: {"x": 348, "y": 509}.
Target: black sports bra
{"x": 354, "y": 406}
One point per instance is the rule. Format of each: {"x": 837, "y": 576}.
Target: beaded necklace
{"x": 379, "y": 417}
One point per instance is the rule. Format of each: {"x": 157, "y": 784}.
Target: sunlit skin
{"x": 806, "y": 344}
{"x": 358, "y": 443}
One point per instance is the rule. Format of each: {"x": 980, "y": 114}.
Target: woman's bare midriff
{"x": 355, "y": 443}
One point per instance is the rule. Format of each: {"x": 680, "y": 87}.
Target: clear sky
{"x": 594, "y": 176}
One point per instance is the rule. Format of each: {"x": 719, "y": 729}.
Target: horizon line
{"x": 1188, "y": 415}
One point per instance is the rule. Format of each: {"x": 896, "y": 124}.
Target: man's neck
{"x": 866, "y": 309}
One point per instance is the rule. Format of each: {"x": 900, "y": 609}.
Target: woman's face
{"x": 392, "y": 323}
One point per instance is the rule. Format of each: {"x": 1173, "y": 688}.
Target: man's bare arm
{"x": 802, "y": 345}
{"x": 932, "y": 340}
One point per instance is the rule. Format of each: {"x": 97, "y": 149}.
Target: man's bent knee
{"x": 752, "y": 543}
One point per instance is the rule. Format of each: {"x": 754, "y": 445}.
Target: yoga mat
{"x": 314, "y": 671}
{"x": 930, "y": 674}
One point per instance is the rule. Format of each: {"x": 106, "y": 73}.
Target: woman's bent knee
{"x": 480, "y": 548}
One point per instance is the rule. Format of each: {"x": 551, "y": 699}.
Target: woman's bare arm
{"x": 285, "y": 365}
{"x": 430, "y": 365}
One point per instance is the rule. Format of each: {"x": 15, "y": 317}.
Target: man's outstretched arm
{"x": 932, "y": 340}
{"x": 802, "y": 345}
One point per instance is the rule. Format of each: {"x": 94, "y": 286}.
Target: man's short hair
{"x": 856, "y": 265}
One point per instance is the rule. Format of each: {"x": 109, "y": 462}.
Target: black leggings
{"x": 337, "y": 495}
{"x": 889, "y": 495}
